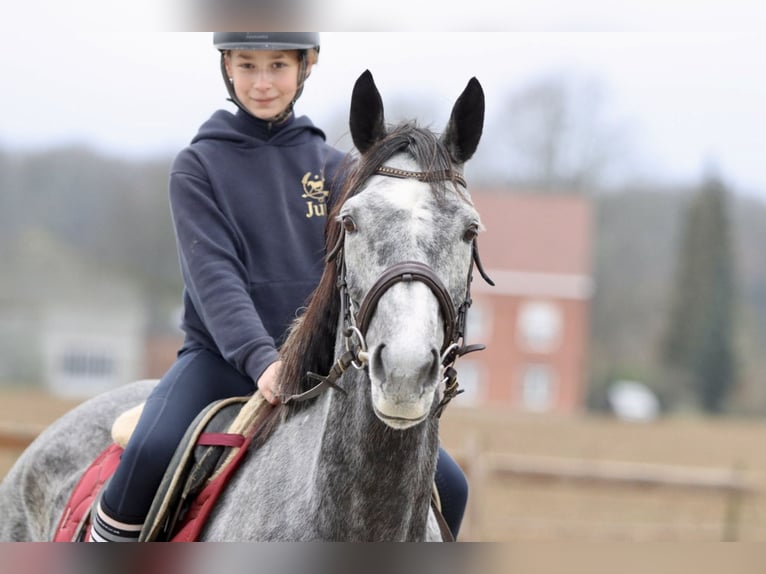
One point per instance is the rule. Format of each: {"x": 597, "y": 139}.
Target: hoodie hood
{"x": 244, "y": 130}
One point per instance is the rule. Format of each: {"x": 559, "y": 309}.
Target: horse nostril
{"x": 435, "y": 364}
{"x": 376, "y": 363}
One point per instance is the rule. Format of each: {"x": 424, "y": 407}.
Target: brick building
{"x": 536, "y": 248}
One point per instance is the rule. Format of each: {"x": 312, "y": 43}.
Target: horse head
{"x": 407, "y": 247}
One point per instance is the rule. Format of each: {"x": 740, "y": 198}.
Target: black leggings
{"x": 453, "y": 490}
{"x": 195, "y": 380}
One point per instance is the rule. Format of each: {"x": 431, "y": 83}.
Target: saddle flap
{"x": 173, "y": 491}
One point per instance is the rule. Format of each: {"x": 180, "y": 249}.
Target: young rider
{"x": 248, "y": 199}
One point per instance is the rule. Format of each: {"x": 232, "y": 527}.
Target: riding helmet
{"x": 302, "y": 41}
{"x": 266, "y": 40}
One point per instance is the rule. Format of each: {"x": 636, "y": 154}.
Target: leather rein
{"x": 355, "y": 325}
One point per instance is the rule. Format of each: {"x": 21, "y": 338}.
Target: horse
{"x": 355, "y": 460}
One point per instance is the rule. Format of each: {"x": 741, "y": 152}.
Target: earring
{"x": 231, "y": 80}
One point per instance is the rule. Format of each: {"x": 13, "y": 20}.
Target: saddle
{"x": 210, "y": 451}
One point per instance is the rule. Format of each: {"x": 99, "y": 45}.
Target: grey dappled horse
{"x": 355, "y": 462}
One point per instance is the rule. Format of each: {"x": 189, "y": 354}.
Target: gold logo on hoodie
{"x": 315, "y": 194}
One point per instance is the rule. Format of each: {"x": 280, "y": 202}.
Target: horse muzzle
{"x": 404, "y": 381}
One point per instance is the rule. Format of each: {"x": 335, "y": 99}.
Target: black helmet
{"x": 301, "y": 41}
{"x": 266, "y": 40}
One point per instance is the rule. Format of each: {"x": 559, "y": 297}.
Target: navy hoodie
{"x": 249, "y": 206}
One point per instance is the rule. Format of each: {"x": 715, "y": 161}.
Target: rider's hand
{"x": 267, "y": 383}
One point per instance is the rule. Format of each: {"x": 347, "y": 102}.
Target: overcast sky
{"x": 687, "y": 79}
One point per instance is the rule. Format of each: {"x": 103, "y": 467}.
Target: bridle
{"x": 355, "y": 325}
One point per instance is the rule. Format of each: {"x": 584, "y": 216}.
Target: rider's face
{"x": 265, "y": 81}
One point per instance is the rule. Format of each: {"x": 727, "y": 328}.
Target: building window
{"x": 539, "y": 326}
{"x": 478, "y": 322}
{"x": 470, "y": 377}
{"x": 538, "y": 388}
{"x": 88, "y": 364}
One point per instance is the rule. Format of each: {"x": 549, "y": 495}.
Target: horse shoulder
{"x": 273, "y": 485}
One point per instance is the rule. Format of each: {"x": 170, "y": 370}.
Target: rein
{"x": 355, "y": 325}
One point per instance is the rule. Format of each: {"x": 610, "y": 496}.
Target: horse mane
{"x": 310, "y": 344}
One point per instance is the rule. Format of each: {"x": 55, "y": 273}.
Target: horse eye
{"x": 348, "y": 224}
{"x": 471, "y": 233}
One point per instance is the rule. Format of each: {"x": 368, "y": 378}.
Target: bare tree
{"x": 559, "y": 134}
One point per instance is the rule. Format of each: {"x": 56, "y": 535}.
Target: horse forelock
{"x": 422, "y": 145}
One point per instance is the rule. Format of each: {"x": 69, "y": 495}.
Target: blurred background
{"x": 621, "y": 182}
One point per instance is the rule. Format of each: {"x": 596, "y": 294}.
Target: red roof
{"x": 534, "y": 232}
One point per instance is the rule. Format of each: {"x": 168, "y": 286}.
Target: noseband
{"x": 407, "y": 272}
{"x": 355, "y": 325}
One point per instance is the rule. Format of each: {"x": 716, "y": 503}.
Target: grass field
{"x": 534, "y": 508}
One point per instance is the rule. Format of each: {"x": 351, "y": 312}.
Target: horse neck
{"x": 374, "y": 482}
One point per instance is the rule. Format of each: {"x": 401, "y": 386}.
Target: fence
{"x": 516, "y": 472}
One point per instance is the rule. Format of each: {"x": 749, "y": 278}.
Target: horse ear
{"x": 366, "y": 118}
{"x": 463, "y": 131}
